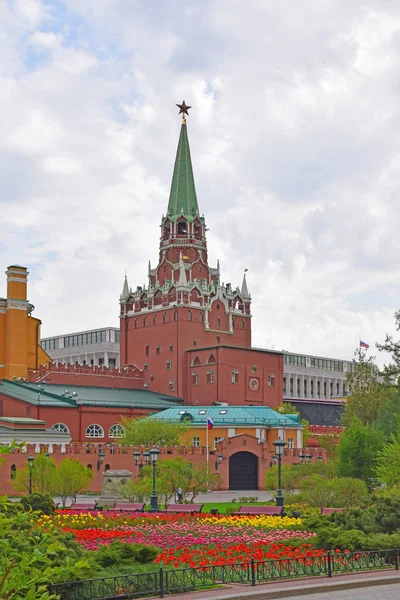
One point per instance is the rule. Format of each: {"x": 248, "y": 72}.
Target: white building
{"x": 307, "y": 376}
{"x": 95, "y": 347}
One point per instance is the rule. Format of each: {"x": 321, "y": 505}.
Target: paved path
{"x": 379, "y": 592}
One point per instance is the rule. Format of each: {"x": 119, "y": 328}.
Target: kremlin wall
{"x": 185, "y": 347}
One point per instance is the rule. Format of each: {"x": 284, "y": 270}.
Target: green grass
{"x": 222, "y": 506}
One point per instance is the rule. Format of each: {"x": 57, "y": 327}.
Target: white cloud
{"x": 292, "y": 131}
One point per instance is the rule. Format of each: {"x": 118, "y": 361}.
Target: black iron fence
{"x": 161, "y": 582}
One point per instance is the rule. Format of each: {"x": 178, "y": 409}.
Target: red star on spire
{"x": 183, "y": 108}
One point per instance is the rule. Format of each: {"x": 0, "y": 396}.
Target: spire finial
{"x": 183, "y": 108}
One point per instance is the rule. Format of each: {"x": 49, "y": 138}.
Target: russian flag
{"x": 364, "y": 345}
{"x": 210, "y": 423}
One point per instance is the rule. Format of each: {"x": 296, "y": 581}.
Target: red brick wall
{"x": 222, "y": 389}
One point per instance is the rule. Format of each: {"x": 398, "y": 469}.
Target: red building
{"x": 188, "y": 331}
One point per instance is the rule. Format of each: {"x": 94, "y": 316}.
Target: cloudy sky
{"x": 295, "y": 143}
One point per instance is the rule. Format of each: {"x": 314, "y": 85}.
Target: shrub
{"x": 38, "y": 502}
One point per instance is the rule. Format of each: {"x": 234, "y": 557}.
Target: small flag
{"x": 210, "y": 423}
{"x": 245, "y": 270}
{"x": 364, "y": 345}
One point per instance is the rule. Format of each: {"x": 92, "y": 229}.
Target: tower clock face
{"x": 254, "y": 384}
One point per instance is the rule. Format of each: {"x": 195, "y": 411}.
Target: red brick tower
{"x": 185, "y": 305}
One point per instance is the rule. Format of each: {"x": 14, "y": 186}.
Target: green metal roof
{"x": 182, "y": 198}
{"x": 260, "y": 416}
{"x": 71, "y": 396}
{"x": 23, "y": 421}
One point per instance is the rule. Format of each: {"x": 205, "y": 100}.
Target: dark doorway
{"x": 243, "y": 471}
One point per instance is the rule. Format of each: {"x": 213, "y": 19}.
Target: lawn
{"x": 234, "y": 506}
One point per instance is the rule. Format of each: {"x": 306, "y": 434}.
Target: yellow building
{"x": 20, "y": 349}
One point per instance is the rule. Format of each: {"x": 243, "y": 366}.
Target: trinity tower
{"x": 178, "y": 326}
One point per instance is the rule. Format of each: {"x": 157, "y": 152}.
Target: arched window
{"x": 116, "y": 431}
{"x": 164, "y": 317}
{"x": 107, "y": 467}
{"x": 95, "y": 431}
{"x": 182, "y": 228}
{"x": 242, "y": 323}
{"x": 90, "y": 467}
{"x": 145, "y": 322}
{"x": 60, "y": 427}
{"x": 211, "y": 360}
{"x": 175, "y": 315}
{"x": 196, "y": 362}
{"x": 189, "y": 315}
{"x": 13, "y": 473}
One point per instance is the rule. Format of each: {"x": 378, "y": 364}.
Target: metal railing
{"x": 161, "y": 582}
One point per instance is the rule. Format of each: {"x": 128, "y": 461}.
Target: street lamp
{"x": 30, "y": 463}
{"x": 101, "y": 458}
{"x": 219, "y": 461}
{"x": 301, "y": 457}
{"x": 319, "y": 458}
{"x": 279, "y": 448}
{"x": 141, "y": 459}
{"x": 308, "y": 457}
{"x": 154, "y": 453}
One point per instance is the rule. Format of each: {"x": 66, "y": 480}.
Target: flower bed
{"x": 185, "y": 540}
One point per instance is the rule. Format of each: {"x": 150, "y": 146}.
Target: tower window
{"x": 172, "y": 386}
{"x": 175, "y": 315}
{"x": 201, "y": 317}
{"x": 136, "y": 323}
{"x": 164, "y": 317}
{"x": 182, "y": 228}
{"x": 171, "y": 347}
{"x": 146, "y": 366}
{"x": 218, "y": 321}
{"x": 199, "y": 267}
{"x": 210, "y": 376}
{"x": 235, "y": 377}
{"x": 242, "y": 323}
{"x": 218, "y": 339}
{"x": 154, "y": 320}
{"x": 147, "y": 350}
{"x": 145, "y": 322}
{"x": 195, "y": 378}
{"x": 157, "y": 350}
{"x": 189, "y": 315}
{"x": 169, "y": 365}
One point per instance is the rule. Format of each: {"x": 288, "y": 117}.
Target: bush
{"x": 119, "y": 554}
{"x": 38, "y": 502}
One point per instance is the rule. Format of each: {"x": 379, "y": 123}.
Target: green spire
{"x": 183, "y": 199}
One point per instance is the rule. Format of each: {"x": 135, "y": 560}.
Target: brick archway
{"x": 243, "y": 471}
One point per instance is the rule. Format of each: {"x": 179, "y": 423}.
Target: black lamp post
{"x": 319, "y": 458}
{"x": 101, "y": 458}
{"x": 219, "y": 461}
{"x": 31, "y": 460}
{"x": 154, "y": 453}
{"x": 308, "y": 457}
{"x": 301, "y": 457}
{"x": 279, "y": 449}
{"x": 141, "y": 459}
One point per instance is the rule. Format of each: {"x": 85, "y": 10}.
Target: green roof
{"x": 71, "y": 396}
{"x": 23, "y": 421}
{"x": 260, "y": 416}
{"x": 182, "y": 198}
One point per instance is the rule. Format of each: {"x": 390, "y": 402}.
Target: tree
{"x": 295, "y": 476}
{"x": 388, "y": 463}
{"x": 358, "y": 452}
{"x": 389, "y": 415}
{"x": 43, "y": 476}
{"x": 367, "y": 394}
{"x": 70, "y": 479}
{"x": 391, "y": 371}
{"x": 152, "y": 432}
